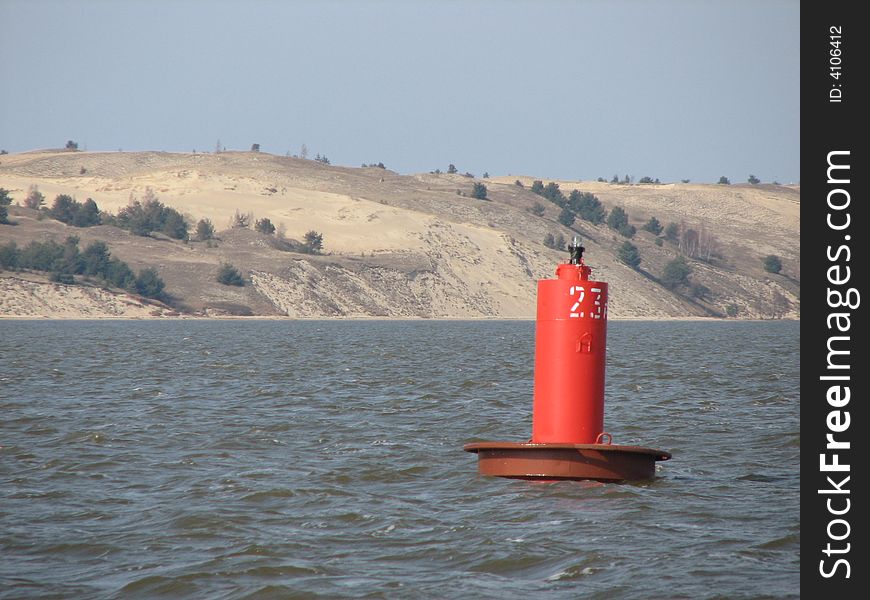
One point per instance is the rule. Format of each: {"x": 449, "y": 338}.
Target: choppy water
{"x": 257, "y": 459}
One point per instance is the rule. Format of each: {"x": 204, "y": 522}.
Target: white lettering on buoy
{"x": 574, "y": 313}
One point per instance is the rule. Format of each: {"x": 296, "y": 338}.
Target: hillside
{"x": 400, "y": 246}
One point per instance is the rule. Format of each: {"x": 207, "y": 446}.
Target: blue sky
{"x": 576, "y": 90}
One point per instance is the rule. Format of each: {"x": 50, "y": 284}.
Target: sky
{"x": 668, "y": 89}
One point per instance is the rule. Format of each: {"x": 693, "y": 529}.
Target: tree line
{"x": 95, "y": 262}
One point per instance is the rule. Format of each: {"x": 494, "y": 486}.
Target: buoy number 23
{"x": 599, "y": 308}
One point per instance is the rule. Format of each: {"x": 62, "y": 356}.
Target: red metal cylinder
{"x": 570, "y": 348}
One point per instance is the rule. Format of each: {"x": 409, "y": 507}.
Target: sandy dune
{"x": 400, "y": 246}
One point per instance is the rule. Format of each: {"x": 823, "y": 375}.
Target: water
{"x": 258, "y": 459}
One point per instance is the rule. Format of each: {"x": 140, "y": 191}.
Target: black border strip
{"x": 834, "y": 247}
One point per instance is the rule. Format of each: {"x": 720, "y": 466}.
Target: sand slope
{"x": 402, "y": 246}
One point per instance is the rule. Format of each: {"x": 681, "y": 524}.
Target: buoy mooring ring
{"x": 568, "y": 438}
{"x": 599, "y": 462}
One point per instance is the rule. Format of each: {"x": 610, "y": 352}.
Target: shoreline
{"x": 366, "y": 318}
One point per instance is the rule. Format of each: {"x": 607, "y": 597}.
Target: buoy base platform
{"x": 599, "y": 462}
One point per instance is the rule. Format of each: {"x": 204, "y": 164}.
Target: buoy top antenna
{"x": 576, "y": 251}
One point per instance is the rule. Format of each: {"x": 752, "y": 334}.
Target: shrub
{"x": 566, "y": 217}
{"x": 556, "y": 242}
{"x": 731, "y": 310}
{"x": 35, "y": 199}
{"x": 241, "y": 221}
{"x": 265, "y": 225}
{"x": 95, "y": 259}
{"x": 71, "y": 145}
{"x": 659, "y": 241}
{"x": 552, "y": 193}
{"x": 451, "y": 168}
{"x": 486, "y": 175}
{"x": 9, "y": 256}
{"x": 537, "y": 187}
{"x": 5, "y": 200}
{"x": 537, "y": 209}
{"x": 518, "y": 183}
{"x": 313, "y": 242}
{"x": 672, "y": 232}
{"x": 204, "y": 230}
{"x": 653, "y": 226}
{"x": 174, "y": 224}
{"x": 86, "y": 214}
{"x": 149, "y": 284}
{"x": 119, "y": 274}
{"x": 64, "y": 261}
{"x": 628, "y": 231}
{"x": 723, "y": 181}
{"x": 478, "y": 190}
{"x": 676, "y": 273}
{"x": 587, "y": 206}
{"x": 228, "y": 275}
{"x": 772, "y": 263}
{"x": 41, "y": 256}
{"x": 629, "y": 254}
{"x": 618, "y": 220}
{"x": 142, "y": 218}
{"x": 684, "y": 180}
{"x": 753, "y": 180}
{"x": 255, "y": 147}
{"x": 63, "y": 209}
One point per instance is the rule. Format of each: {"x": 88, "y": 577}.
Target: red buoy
{"x": 568, "y": 436}
{"x": 570, "y": 348}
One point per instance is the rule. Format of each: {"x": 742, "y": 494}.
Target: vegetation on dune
{"x": 72, "y": 212}
{"x": 313, "y": 242}
{"x": 5, "y": 200}
{"x": 143, "y": 217}
{"x": 587, "y": 205}
{"x": 629, "y": 255}
{"x": 478, "y": 190}
{"x": 582, "y": 204}
{"x": 676, "y": 273}
{"x": 204, "y": 230}
{"x": 653, "y": 226}
{"x": 229, "y": 275}
{"x": 618, "y": 220}
{"x": 34, "y": 199}
{"x": 556, "y": 242}
{"x": 691, "y": 242}
{"x": 95, "y": 262}
{"x": 672, "y": 232}
{"x": 566, "y": 217}
{"x": 264, "y": 225}
{"x": 772, "y": 263}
